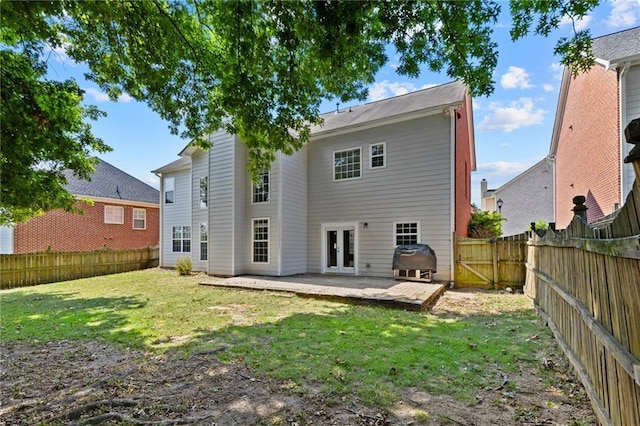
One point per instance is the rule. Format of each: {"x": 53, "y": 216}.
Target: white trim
{"x": 333, "y": 164}
{"x": 323, "y": 243}
{"x": 253, "y": 234}
{"x": 452, "y": 207}
{"x": 111, "y": 219}
{"x": 252, "y": 187}
{"x": 622, "y": 97}
{"x": 133, "y": 219}
{"x": 384, "y": 156}
{"x": 418, "y": 228}
{"x": 117, "y": 201}
{"x": 279, "y": 212}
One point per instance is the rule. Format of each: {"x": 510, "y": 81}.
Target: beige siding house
{"x": 371, "y": 177}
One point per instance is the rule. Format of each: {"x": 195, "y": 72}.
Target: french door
{"x": 340, "y": 249}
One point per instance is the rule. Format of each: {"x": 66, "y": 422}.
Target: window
{"x": 139, "y": 219}
{"x": 261, "y": 189}
{"x": 346, "y": 164}
{"x": 406, "y": 233}
{"x": 204, "y": 241}
{"x": 378, "y": 155}
{"x": 204, "y": 192}
{"x": 114, "y": 214}
{"x": 181, "y": 239}
{"x": 260, "y": 240}
{"x": 168, "y": 190}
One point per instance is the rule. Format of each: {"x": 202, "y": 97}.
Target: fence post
{"x": 496, "y": 278}
{"x": 580, "y": 209}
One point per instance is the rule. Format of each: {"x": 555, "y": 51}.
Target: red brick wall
{"x": 588, "y": 154}
{"x": 64, "y": 231}
{"x": 463, "y": 171}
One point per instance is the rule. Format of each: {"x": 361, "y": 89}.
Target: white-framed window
{"x": 260, "y": 192}
{"x": 181, "y": 239}
{"x": 139, "y": 218}
{"x": 378, "y": 155}
{"x": 406, "y": 233}
{"x": 347, "y": 164}
{"x": 114, "y": 214}
{"x": 260, "y": 240}
{"x": 204, "y": 192}
{"x": 169, "y": 188}
{"x": 204, "y": 240}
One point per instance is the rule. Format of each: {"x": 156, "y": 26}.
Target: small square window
{"x": 114, "y": 215}
{"x": 405, "y": 233}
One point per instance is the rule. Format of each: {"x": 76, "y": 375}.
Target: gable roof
{"x": 110, "y": 182}
{"x": 545, "y": 162}
{"x": 613, "y": 49}
{"x": 181, "y": 163}
{"x": 401, "y": 107}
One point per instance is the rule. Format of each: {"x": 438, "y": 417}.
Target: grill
{"x": 415, "y": 262}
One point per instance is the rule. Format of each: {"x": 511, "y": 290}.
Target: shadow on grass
{"x": 63, "y": 316}
{"x": 374, "y": 352}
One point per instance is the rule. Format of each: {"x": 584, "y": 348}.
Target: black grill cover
{"x": 414, "y": 256}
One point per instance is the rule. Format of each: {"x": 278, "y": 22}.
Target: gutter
{"x": 452, "y": 212}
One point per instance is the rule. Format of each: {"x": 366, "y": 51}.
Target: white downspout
{"x": 623, "y": 119}
{"x": 280, "y": 211}
{"x": 452, "y": 214}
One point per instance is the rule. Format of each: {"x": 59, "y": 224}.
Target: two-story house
{"x": 372, "y": 177}
{"x": 588, "y": 142}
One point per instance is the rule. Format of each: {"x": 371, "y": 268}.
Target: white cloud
{"x": 153, "y": 181}
{"x": 516, "y": 78}
{"x": 548, "y": 87}
{"x": 99, "y": 96}
{"x": 623, "y": 13}
{"x": 517, "y": 114}
{"x": 580, "y": 24}
{"x": 385, "y": 89}
{"x": 557, "y": 69}
{"x": 502, "y": 168}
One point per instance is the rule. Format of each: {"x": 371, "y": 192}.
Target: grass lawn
{"x": 336, "y": 348}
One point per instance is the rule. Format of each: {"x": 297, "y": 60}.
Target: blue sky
{"x": 513, "y": 126}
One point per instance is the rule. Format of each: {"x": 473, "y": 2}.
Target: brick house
{"x": 588, "y": 143}
{"x": 125, "y": 215}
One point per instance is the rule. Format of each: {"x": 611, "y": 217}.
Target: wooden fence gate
{"x": 496, "y": 263}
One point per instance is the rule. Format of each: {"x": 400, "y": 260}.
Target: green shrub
{"x": 485, "y": 224}
{"x": 540, "y": 227}
{"x": 184, "y": 265}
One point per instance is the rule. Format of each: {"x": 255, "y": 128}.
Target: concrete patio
{"x": 409, "y": 295}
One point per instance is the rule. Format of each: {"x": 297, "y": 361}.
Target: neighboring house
{"x": 371, "y": 177}
{"x": 588, "y": 141}
{"x": 524, "y": 199}
{"x": 125, "y": 215}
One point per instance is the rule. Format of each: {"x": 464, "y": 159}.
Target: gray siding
{"x": 293, "y": 186}
{"x": 200, "y": 168}
{"x": 527, "y": 198}
{"x": 415, "y": 186}
{"x": 632, "y": 99}
{"x": 263, "y": 210}
{"x": 221, "y": 194}
{"x": 176, "y": 214}
{"x": 241, "y": 200}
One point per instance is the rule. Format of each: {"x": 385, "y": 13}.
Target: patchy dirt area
{"x": 87, "y": 383}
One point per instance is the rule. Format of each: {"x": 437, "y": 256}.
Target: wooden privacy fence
{"x": 496, "y": 263}
{"x": 585, "y": 281}
{"x": 19, "y": 270}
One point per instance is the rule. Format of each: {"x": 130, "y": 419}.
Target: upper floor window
{"x": 114, "y": 214}
{"x": 169, "y": 185}
{"x": 378, "y": 155}
{"x": 347, "y": 164}
{"x": 261, "y": 189}
{"x": 204, "y": 192}
{"x": 181, "y": 239}
{"x": 139, "y": 219}
{"x": 406, "y": 233}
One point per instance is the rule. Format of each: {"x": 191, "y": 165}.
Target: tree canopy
{"x": 258, "y": 69}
